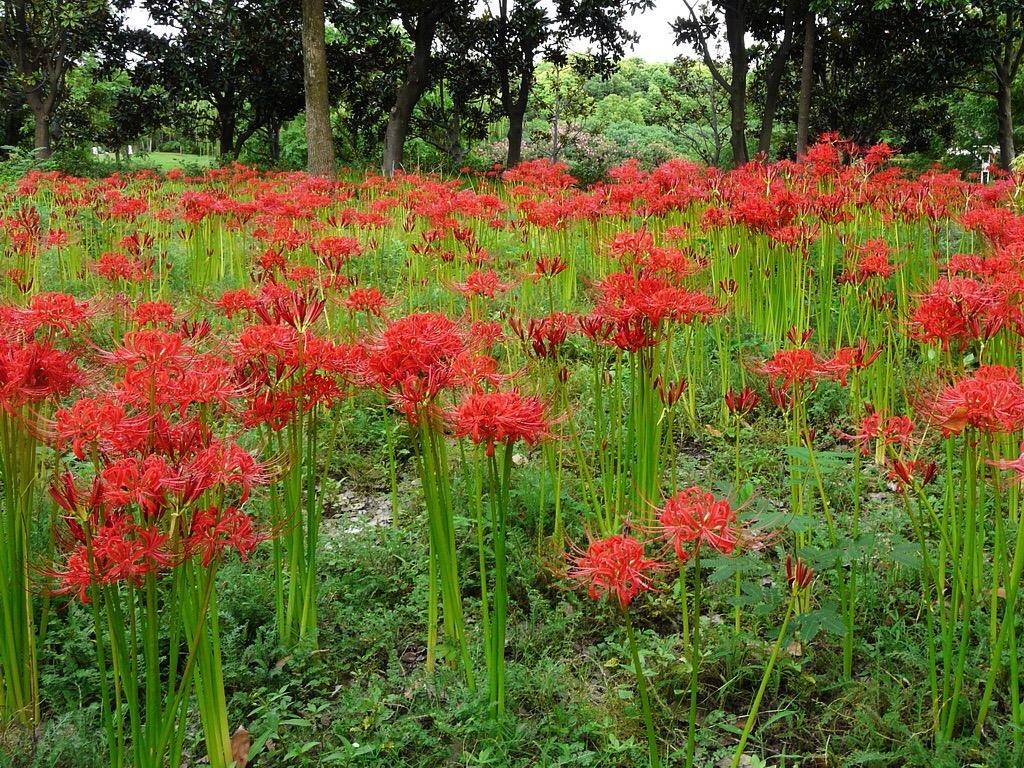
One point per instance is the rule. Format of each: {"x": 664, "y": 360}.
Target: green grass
{"x": 165, "y": 161}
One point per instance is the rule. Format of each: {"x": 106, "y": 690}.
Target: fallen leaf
{"x": 241, "y": 743}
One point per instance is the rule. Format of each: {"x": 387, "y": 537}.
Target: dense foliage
{"x": 686, "y": 468}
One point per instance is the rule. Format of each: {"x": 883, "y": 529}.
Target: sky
{"x": 656, "y": 38}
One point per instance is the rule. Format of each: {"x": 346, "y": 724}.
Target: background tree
{"x": 12, "y": 106}
{"x": 512, "y": 41}
{"x": 242, "y": 57}
{"x": 106, "y": 106}
{"x": 320, "y": 146}
{"x": 41, "y": 40}
{"x": 419, "y": 20}
{"x": 520, "y": 35}
{"x": 1002, "y": 22}
{"x": 775, "y": 24}
{"x": 883, "y": 70}
{"x": 702, "y": 109}
{"x": 702, "y": 27}
{"x": 459, "y": 107}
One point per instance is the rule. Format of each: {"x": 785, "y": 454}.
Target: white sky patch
{"x": 657, "y": 41}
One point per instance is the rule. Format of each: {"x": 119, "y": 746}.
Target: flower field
{"x": 687, "y": 468}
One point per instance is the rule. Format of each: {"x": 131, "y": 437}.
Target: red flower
{"x": 549, "y": 266}
{"x": 153, "y": 313}
{"x": 875, "y": 427}
{"x": 214, "y": 531}
{"x": 1014, "y": 465}
{"x": 500, "y": 417}
{"x": 694, "y": 516}
{"x": 903, "y": 471}
{"x": 872, "y": 261}
{"x": 34, "y": 371}
{"x": 793, "y": 368}
{"x": 848, "y": 360}
{"x": 481, "y": 283}
{"x": 741, "y": 402}
{"x": 545, "y": 335}
{"x": 368, "y": 300}
{"x": 991, "y": 400}
{"x": 144, "y": 482}
{"x": 961, "y": 309}
{"x": 60, "y": 311}
{"x": 95, "y": 422}
{"x": 798, "y": 574}
{"x": 615, "y": 567}
{"x": 225, "y": 464}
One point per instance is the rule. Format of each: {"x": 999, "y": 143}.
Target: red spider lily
{"x": 615, "y": 567}
{"x": 96, "y": 423}
{"x": 545, "y": 335}
{"x": 847, "y": 360}
{"x": 150, "y": 349}
{"x": 481, "y": 283}
{"x": 117, "y": 266}
{"x": 798, "y": 338}
{"x": 225, "y": 464}
{"x": 34, "y": 371}
{"x": 259, "y": 342}
{"x": 693, "y": 517}
{"x": 415, "y": 355}
{"x": 633, "y": 303}
{"x": 297, "y": 308}
{"x": 485, "y": 334}
{"x": 153, "y": 313}
{"x": 669, "y": 392}
{"x": 335, "y": 251}
{"x": 793, "y": 368}
{"x": 741, "y": 402}
{"x": 961, "y": 309}
{"x": 500, "y": 417}
{"x": 67, "y": 495}
{"x": 274, "y": 408}
{"x": 1012, "y": 465}
{"x": 214, "y": 531}
{"x": 367, "y": 300}
{"x": 58, "y": 311}
{"x": 903, "y": 471}
{"x": 872, "y": 262}
{"x": 144, "y": 482}
{"x": 235, "y": 302}
{"x": 799, "y": 575}
{"x": 991, "y": 400}
{"x": 876, "y": 427}
{"x": 549, "y": 266}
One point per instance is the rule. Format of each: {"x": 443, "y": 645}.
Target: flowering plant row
{"x": 182, "y": 357}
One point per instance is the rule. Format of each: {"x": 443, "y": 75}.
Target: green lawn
{"x": 165, "y": 161}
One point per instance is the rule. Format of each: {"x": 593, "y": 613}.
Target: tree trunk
{"x": 40, "y": 108}
{"x": 319, "y": 144}
{"x": 409, "y": 92}
{"x": 12, "y": 124}
{"x": 806, "y": 80}
{"x": 42, "y": 135}
{"x": 516, "y": 117}
{"x": 1004, "y": 116}
{"x": 735, "y": 31}
{"x": 773, "y": 79}
{"x": 227, "y": 136}
{"x": 274, "y": 143}
{"x": 515, "y": 139}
